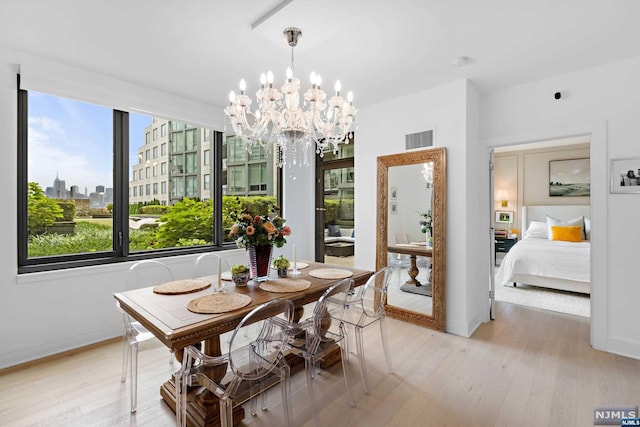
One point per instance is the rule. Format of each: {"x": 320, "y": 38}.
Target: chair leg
{"x": 363, "y": 363}
{"x": 347, "y": 378}
{"x": 226, "y": 412}
{"x": 309, "y": 368}
{"x": 385, "y": 344}
{"x": 285, "y": 384}
{"x": 256, "y": 388}
{"x": 178, "y": 385}
{"x": 126, "y": 353}
{"x": 133, "y": 357}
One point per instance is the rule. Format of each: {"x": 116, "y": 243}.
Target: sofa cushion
{"x": 346, "y": 232}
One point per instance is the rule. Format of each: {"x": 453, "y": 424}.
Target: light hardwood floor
{"x": 527, "y": 368}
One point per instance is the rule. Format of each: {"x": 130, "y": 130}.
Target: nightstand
{"x": 504, "y": 244}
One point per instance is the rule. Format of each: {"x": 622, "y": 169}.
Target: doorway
{"x": 521, "y": 178}
{"x": 334, "y": 206}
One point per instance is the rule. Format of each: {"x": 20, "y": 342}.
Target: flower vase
{"x": 260, "y": 262}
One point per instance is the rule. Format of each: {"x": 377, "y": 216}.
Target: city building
{"x": 176, "y": 159}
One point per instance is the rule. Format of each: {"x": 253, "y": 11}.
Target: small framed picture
{"x": 394, "y": 207}
{"x": 394, "y": 193}
{"x": 625, "y": 175}
{"x": 505, "y": 217}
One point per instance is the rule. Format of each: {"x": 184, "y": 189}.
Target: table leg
{"x": 413, "y": 272}
{"x": 203, "y": 408}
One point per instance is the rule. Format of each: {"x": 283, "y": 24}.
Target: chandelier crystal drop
{"x": 281, "y": 124}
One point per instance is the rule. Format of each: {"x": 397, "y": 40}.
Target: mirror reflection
{"x": 411, "y": 214}
{"x": 409, "y": 236}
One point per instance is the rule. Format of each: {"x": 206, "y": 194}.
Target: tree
{"x": 43, "y": 211}
{"x": 186, "y": 219}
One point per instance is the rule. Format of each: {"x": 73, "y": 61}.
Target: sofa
{"x": 338, "y": 241}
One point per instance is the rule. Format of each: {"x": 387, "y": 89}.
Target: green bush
{"x": 232, "y": 206}
{"x": 186, "y": 218}
{"x": 99, "y": 212}
{"x": 89, "y": 237}
{"x": 331, "y": 212}
{"x": 42, "y": 211}
{"x": 155, "y": 210}
{"x": 68, "y": 209}
{"x": 136, "y": 208}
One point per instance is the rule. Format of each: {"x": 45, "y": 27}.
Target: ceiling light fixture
{"x": 281, "y": 124}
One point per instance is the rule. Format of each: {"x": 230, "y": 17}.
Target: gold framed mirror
{"x": 411, "y": 237}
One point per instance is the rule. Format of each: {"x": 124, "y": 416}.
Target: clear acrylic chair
{"x": 141, "y": 274}
{"x": 366, "y": 309}
{"x": 210, "y": 264}
{"x": 253, "y": 365}
{"x": 316, "y": 337}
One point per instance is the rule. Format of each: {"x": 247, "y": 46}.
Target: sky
{"x": 74, "y": 140}
{"x": 570, "y": 171}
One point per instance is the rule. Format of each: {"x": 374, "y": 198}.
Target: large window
{"x": 86, "y": 183}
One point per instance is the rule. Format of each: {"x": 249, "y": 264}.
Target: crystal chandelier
{"x": 280, "y": 123}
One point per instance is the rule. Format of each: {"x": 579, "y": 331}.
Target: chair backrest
{"x": 374, "y": 293}
{"x": 148, "y": 273}
{"x": 255, "y": 355}
{"x": 329, "y": 307}
{"x": 209, "y": 264}
{"x": 401, "y": 238}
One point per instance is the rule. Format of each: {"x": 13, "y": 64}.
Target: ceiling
{"x": 200, "y": 49}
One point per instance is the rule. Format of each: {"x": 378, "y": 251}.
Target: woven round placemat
{"x": 185, "y": 286}
{"x": 285, "y": 285}
{"x": 226, "y": 275}
{"x": 218, "y": 303}
{"x": 300, "y": 265}
{"x": 330, "y": 273}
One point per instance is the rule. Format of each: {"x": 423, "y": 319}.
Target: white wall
{"x": 604, "y": 103}
{"x": 46, "y": 313}
{"x": 412, "y": 197}
{"x": 381, "y": 131}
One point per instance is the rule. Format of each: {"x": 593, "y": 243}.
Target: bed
{"x": 536, "y": 260}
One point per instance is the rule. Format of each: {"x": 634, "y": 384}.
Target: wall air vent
{"x": 419, "y": 140}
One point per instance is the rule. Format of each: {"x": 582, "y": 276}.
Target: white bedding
{"x": 547, "y": 259}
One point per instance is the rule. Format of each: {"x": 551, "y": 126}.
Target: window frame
{"x": 121, "y": 181}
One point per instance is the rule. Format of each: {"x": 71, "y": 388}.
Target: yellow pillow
{"x": 568, "y": 233}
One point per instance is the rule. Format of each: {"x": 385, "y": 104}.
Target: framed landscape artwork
{"x": 569, "y": 178}
{"x": 505, "y": 217}
{"x": 625, "y": 175}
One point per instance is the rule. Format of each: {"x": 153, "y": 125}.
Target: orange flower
{"x": 250, "y": 230}
{"x": 269, "y": 227}
{"x": 234, "y": 231}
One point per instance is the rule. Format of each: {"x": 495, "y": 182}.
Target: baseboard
{"x": 624, "y": 347}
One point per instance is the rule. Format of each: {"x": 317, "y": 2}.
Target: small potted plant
{"x": 281, "y": 264}
{"x": 240, "y": 274}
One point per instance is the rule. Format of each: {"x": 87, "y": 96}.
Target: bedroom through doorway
{"x": 541, "y": 192}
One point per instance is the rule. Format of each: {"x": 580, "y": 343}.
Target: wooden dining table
{"x": 167, "y": 317}
{"x": 414, "y": 250}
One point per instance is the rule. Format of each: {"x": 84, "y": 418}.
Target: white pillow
{"x": 537, "y": 230}
{"x": 587, "y": 229}
{"x": 555, "y": 221}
